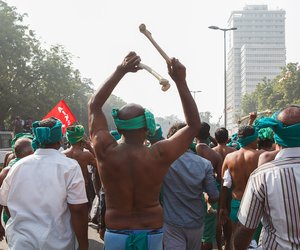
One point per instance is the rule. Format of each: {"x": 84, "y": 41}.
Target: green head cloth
{"x": 75, "y": 134}
{"x": 143, "y": 121}
{"x": 18, "y": 136}
{"x": 286, "y": 136}
{"x": 248, "y": 139}
{"x": 115, "y": 134}
{"x": 46, "y": 135}
{"x": 157, "y": 136}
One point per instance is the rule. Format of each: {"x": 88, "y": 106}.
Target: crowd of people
{"x": 190, "y": 190}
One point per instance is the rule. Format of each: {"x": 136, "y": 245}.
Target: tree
{"x": 275, "y": 94}
{"x": 33, "y": 79}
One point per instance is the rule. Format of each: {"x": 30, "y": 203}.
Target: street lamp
{"x": 224, "y": 30}
{"x": 195, "y": 92}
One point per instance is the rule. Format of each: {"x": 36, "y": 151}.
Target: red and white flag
{"x": 62, "y": 112}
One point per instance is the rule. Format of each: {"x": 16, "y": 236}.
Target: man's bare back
{"x": 84, "y": 158}
{"x": 214, "y": 157}
{"x": 223, "y": 150}
{"x": 131, "y": 172}
{"x": 240, "y": 165}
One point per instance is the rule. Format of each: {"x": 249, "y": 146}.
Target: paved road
{"x": 95, "y": 243}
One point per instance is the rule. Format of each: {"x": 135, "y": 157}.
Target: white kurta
{"x": 37, "y": 191}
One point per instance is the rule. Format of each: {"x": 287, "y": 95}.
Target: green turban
{"x": 46, "y": 135}
{"x": 248, "y": 139}
{"x": 143, "y": 121}
{"x": 18, "y": 136}
{"x": 286, "y": 136}
{"x": 157, "y": 136}
{"x": 75, "y": 134}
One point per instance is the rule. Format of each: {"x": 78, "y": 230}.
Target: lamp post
{"x": 194, "y": 92}
{"x": 225, "y": 103}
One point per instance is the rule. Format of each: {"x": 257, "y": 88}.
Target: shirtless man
{"x": 237, "y": 168}
{"x": 75, "y": 136}
{"x": 216, "y": 160}
{"x": 131, "y": 172}
{"x": 221, "y": 136}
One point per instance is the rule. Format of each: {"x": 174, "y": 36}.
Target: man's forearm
{"x": 79, "y": 219}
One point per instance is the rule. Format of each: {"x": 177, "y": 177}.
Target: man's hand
{"x": 223, "y": 216}
{"x": 130, "y": 63}
{"x": 177, "y": 71}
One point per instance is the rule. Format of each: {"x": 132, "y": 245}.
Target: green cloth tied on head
{"x": 248, "y": 139}
{"x": 75, "y": 134}
{"x": 137, "y": 242}
{"x": 143, "y": 121}
{"x": 18, "y": 136}
{"x": 286, "y": 136}
{"x": 157, "y": 135}
{"x": 46, "y": 135}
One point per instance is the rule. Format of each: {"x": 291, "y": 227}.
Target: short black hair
{"x": 221, "y": 135}
{"x": 175, "y": 127}
{"x": 245, "y": 131}
{"x": 204, "y": 131}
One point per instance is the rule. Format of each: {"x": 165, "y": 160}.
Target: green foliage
{"x": 33, "y": 79}
{"x": 275, "y": 94}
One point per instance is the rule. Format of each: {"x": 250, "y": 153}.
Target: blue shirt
{"x": 188, "y": 177}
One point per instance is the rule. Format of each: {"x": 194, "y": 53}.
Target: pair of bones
{"x": 162, "y": 81}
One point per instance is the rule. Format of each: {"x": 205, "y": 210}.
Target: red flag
{"x": 62, "y": 112}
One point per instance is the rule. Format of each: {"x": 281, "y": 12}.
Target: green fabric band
{"x": 143, "y": 121}
{"x": 137, "y": 242}
{"x": 286, "y": 136}
{"x": 157, "y": 135}
{"x": 75, "y": 134}
{"x": 46, "y": 135}
{"x": 248, "y": 139}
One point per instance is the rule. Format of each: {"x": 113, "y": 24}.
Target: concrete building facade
{"x": 256, "y": 50}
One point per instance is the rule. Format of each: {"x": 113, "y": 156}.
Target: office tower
{"x": 255, "y": 50}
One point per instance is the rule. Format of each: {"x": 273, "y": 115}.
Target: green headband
{"x": 248, "y": 139}
{"x": 46, "y": 135}
{"x": 286, "y": 136}
{"x": 76, "y": 135}
{"x": 157, "y": 135}
{"x": 143, "y": 121}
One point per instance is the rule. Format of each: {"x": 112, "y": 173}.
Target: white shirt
{"x": 37, "y": 191}
{"x": 273, "y": 194}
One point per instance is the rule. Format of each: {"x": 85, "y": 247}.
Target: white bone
{"x": 147, "y": 33}
{"x": 162, "y": 81}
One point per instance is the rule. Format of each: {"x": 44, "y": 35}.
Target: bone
{"x": 147, "y": 33}
{"x": 162, "y": 81}
{"x": 265, "y": 112}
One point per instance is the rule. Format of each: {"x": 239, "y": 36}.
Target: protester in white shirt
{"x": 45, "y": 195}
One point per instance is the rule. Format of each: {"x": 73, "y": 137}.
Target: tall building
{"x": 255, "y": 50}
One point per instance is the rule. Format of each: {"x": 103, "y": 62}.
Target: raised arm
{"x": 176, "y": 145}
{"x": 97, "y": 121}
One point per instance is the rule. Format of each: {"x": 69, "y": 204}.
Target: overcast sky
{"x": 100, "y": 34}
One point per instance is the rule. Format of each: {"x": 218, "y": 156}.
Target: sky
{"x": 101, "y": 33}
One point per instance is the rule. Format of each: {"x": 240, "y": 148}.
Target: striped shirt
{"x": 273, "y": 195}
